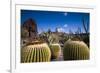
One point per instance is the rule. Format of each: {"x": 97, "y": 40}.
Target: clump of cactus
{"x": 75, "y": 50}
{"x": 53, "y": 39}
{"x": 35, "y": 53}
{"x": 55, "y": 51}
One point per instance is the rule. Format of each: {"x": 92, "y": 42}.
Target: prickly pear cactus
{"x": 75, "y": 50}
{"x": 55, "y": 51}
{"x": 35, "y": 53}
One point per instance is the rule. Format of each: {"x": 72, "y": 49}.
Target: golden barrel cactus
{"x": 55, "y": 51}
{"x": 35, "y": 53}
{"x": 75, "y": 50}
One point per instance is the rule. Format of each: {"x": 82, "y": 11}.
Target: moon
{"x": 65, "y": 14}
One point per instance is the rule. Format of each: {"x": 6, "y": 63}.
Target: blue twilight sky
{"x": 64, "y": 21}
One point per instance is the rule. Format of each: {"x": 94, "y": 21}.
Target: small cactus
{"x": 55, "y": 51}
{"x": 35, "y": 53}
{"x": 75, "y": 50}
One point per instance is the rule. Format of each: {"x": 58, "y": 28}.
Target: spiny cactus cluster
{"x": 35, "y": 53}
{"x": 55, "y": 50}
{"x": 53, "y": 39}
{"x": 75, "y": 50}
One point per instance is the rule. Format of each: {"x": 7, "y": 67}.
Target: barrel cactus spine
{"x": 75, "y": 50}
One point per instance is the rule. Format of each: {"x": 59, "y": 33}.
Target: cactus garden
{"x": 49, "y": 36}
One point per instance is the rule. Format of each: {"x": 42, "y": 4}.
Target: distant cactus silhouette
{"x": 35, "y": 53}
{"x": 75, "y": 50}
{"x": 31, "y": 27}
{"x": 85, "y": 26}
{"x": 55, "y": 50}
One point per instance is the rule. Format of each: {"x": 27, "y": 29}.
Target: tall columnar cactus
{"x": 55, "y": 51}
{"x": 75, "y": 50}
{"x": 35, "y": 53}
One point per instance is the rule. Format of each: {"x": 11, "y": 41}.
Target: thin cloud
{"x": 65, "y": 26}
{"x": 60, "y": 29}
